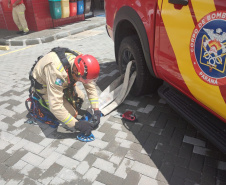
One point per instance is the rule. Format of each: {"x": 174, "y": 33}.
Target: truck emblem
{"x": 208, "y": 48}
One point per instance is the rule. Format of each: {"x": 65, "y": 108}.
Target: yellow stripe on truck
{"x": 179, "y": 26}
{"x": 200, "y": 10}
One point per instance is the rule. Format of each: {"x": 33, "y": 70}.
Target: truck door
{"x": 192, "y": 50}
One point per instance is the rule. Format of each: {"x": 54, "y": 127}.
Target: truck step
{"x": 210, "y": 126}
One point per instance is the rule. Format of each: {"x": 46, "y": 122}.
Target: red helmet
{"x": 88, "y": 68}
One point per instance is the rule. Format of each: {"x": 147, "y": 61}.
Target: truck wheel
{"x": 130, "y": 49}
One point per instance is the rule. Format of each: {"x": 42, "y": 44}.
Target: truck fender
{"x": 129, "y": 14}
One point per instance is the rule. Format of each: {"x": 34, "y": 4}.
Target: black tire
{"x": 130, "y": 49}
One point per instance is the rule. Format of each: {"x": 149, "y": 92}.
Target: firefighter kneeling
{"x": 53, "y": 78}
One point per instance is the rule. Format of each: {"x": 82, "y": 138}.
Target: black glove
{"x": 84, "y": 127}
{"x": 96, "y": 117}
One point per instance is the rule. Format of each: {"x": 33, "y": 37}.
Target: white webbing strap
{"x": 116, "y": 92}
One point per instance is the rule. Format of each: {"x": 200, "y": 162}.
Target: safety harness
{"x": 38, "y": 108}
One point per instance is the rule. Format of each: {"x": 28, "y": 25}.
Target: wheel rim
{"x": 127, "y": 56}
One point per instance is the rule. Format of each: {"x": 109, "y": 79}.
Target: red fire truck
{"x": 179, "y": 48}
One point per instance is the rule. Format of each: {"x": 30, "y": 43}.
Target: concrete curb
{"x": 51, "y": 38}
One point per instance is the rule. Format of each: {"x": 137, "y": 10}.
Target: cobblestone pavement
{"x": 160, "y": 148}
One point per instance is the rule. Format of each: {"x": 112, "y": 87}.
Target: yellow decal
{"x": 202, "y": 7}
{"x": 179, "y": 26}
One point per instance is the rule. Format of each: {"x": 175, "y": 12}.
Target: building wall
{"x": 37, "y": 15}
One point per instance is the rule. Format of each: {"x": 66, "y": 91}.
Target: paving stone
{"x": 92, "y": 174}
{"x": 221, "y": 175}
{"x": 186, "y": 150}
{"x": 211, "y": 162}
{"x": 18, "y": 146}
{"x": 35, "y": 173}
{"x": 19, "y": 165}
{"x": 136, "y": 128}
{"x": 161, "y": 178}
{"x": 151, "y": 143}
{"x": 3, "y": 144}
{"x": 163, "y": 146}
{"x": 177, "y": 137}
{"x": 121, "y": 134}
{"x": 204, "y": 151}
{"x": 168, "y": 131}
{"x": 176, "y": 180}
{"x": 166, "y": 170}
{"x": 132, "y": 178}
{"x": 67, "y": 162}
{"x": 82, "y": 153}
{"x": 194, "y": 141}
{"x": 196, "y": 162}
{"x": 107, "y": 178}
{"x": 112, "y": 146}
{"x": 142, "y": 136}
{"x": 47, "y": 151}
{"x": 4, "y": 126}
{"x": 83, "y": 167}
{"x": 32, "y": 159}
{"x": 27, "y": 169}
{"x": 50, "y": 173}
{"x": 109, "y": 136}
{"x": 13, "y": 182}
{"x": 33, "y": 147}
{"x": 105, "y": 127}
{"x": 33, "y": 137}
{"x": 6, "y": 136}
{"x": 104, "y": 154}
{"x": 116, "y": 159}
{"x": 57, "y": 181}
{"x": 137, "y": 156}
{"x": 98, "y": 143}
{"x": 70, "y": 152}
{"x": 68, "y": 175}
{"x": 180, "y": 172}
{"x": 221, "y": 165}
{"x": 15, "y": 158}
{"x": 3, "y": 168}
{"x": 104, "y": 165}
{"x": 126, "y": 144}
{"x": 62, "y": 149}
{"x": 147, "y": 181}
{"x": 145, "y": 169}
{"x": 28, "y": 181}
{"x": 97, "y": 183}
{"x": 50, "y": 160}
{"x": 11, "y": 174}
{"x": 90, "y": 158}
{"x": 154, "y": 115}
{"x": 46, "y": 141}
{"x": 193, "y": 176}
{"x": 182, "y": 162}
{"x": 124, "y": 168}
{"x": 203, "y": 181}
{"x": 157, "y": 157}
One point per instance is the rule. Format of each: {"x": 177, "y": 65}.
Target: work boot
{"x": 25, "y": 33}
{"x": 19, "y": 32}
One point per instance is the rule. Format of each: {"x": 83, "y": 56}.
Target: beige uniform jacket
{"x": 50, "y": 72}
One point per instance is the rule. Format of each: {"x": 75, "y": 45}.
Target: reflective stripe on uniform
{"x": 94, "y": 100}
{"x": 21, "y": 13}
{"x": 68, "y": 119}
{"x": 69, "y": 56}
{"x": 60, "y": 67}
{"x": 47, "y": 102}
